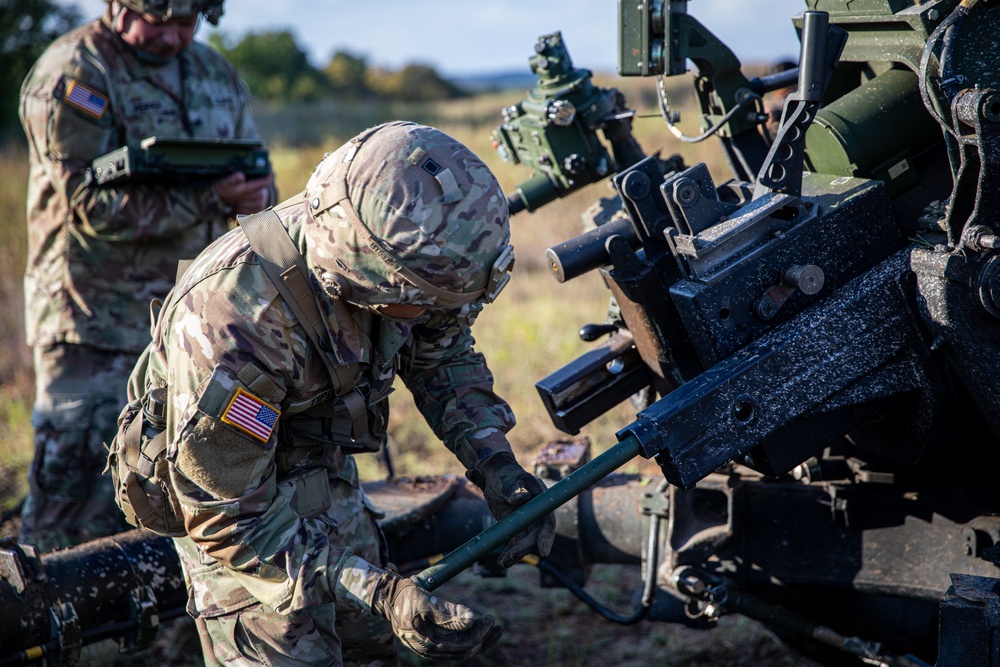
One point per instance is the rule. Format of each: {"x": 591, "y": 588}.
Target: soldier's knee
{"x": 61, "y": 465}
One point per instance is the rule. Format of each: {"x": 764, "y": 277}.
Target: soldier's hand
{"x": 244, "y": 196}
{"x": 430, "y": 626}
{"x": 506, "y": 486}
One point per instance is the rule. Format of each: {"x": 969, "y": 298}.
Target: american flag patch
{"x": 86, "y": 100}
{"x": 248, "y": 413}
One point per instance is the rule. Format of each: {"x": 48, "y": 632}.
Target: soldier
{"x": 98, "y": 255}
{"x": 774, "y": 102}
{"x": 404, "y": 234}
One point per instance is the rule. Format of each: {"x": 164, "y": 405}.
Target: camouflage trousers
{"x": 79, "y": 394}
{"x": 325, "y": 635}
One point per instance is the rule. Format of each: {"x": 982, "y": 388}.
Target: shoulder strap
{"x": 287, "y": 270}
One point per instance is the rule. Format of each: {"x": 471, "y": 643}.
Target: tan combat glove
{"x": 507, "y": 486}
{"x": 430, "y": 626}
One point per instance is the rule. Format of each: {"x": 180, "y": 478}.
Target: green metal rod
{"x": 558, "y": 494}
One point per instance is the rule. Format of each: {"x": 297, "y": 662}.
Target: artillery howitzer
{"x": 822, "y": 330}
{"x": 814, "y": 345}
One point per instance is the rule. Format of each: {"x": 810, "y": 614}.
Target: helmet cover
{"x": 169, "y": 9}
{"x": 404, "y": 213}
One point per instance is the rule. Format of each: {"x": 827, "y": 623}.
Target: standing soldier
{"x": 774, "y": 102}
{"x": 271, "y": 368}
{"x": 98, "y": 255}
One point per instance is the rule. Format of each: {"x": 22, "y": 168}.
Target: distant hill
{"x": 496, "y": 81}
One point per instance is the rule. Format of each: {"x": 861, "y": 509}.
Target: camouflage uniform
{"x": 98, "y": 255}
{"x": 283, "y": 549}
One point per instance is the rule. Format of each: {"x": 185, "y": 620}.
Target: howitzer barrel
{"x": 558, "y": 494}
{"x": 124, "y": 587}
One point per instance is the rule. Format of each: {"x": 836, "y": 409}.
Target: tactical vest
{"x": 331, "y": 420}
{"x": 351, "y": 418}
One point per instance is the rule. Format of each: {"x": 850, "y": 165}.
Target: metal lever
{"x": 558, "y": 494}
{"x": 822, "y": 45}
{"x": 591, "y": 332}
{"x": 808, "y": 279}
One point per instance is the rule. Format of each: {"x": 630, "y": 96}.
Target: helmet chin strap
{"x": 117, "y": 16}
{"x": 152, "y": 59}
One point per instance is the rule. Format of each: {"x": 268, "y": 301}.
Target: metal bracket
{"x": 970, "y": 622}
{"x": 838, "y": 506}
{"x": 809, "y": 279}
{"x": 66, "y": 631}
{"x": 975, "y": 199}
{"x": 822, "y": 45}
{"x": 144, "y": 613}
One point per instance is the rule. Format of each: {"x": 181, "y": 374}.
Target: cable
{"x": 956, "y": 16}
{"x": 649, "y": 578}
{"x": 661, "y": 99}
{"x": 949, "y": 81}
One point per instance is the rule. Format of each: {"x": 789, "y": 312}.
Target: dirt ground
{"x": 550, "y": 627}
{"x": 547, "y": 628}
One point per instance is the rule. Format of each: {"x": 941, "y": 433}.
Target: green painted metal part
{"x": 873, "y": 131}
{"x": 879, "y": 28}
{"x": 558, "y": 494}
{"x": 552, "y": 129}
{"x": 874, "y": 124}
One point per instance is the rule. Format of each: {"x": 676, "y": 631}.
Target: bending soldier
{"x": 404, "y": 235}
{"x": 98, "y": 255}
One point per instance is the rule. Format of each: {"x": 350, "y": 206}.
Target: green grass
{"x": 16, "y": 383}
{"x": 528, "y": 333}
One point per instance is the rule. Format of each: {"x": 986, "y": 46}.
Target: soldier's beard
{"x": 153, "y": 52}
{"x": 155, "y": 59}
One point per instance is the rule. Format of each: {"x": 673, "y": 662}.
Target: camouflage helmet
{"x": 169, "y": 9}
{"x": 403, "y": 213}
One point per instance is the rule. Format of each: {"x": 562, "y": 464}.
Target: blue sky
{"x": 462, "y": 37}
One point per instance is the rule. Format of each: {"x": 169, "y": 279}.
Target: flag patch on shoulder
{"x": 252, "y": 415}
{"x": 85, "y": 99}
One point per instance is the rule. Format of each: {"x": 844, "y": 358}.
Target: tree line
{"x": 26, "y": 28}
{"x": 278, "y": 70}
{"x": 271, "y": 62}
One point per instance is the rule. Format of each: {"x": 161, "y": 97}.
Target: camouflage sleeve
{"x": 453, "y": 387}
{"x": 222, "y": 462}
{"x": 68, "y": 138}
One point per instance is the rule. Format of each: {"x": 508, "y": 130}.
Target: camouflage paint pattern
{"x": 315, "y": 635}
{"x": 435, "y": 206}
{"x": 79, "y": 394}
{"x": 170, "y": 9}
{"x": 275, "y": 524}
{"x": 98, "y": 256}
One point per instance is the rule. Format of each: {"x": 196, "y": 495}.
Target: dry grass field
{"x": 528, "y": 333}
